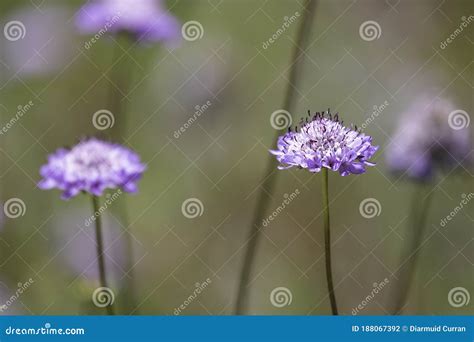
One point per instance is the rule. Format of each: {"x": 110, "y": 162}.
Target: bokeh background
{"x": 220, "y": 158}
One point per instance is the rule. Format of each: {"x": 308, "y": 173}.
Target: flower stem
{"x": 327, "y": 240}
{"x": 269, "y": 179}
{"x": 100, "y": 250}
{"x": 121, "y": 78}
{"x": 420, "y": 205}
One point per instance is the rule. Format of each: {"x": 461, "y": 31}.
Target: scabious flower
{"x": 92, "y": 166}
{"x": 323, "y": 141}
{"x": 427, "y": 139}
{"x": 145, "y": 20}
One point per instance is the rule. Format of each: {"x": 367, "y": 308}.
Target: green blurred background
{"x": 220, "y": 158}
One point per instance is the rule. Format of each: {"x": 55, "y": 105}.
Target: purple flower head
{"x": 37, "y": 52}
{"x": 92, "y": 166}
{"x": 323, "y": 141}
{"x": 427, "y": 139}
{"x": 145, "y": 20}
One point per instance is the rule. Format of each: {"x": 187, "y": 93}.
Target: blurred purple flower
{"x": 145, "y": 20}
{"x": 324, "y": 142}
{"x": 92, "y": 166}
{"x": 43, "y": 49}
{"x": 426, "y": 139}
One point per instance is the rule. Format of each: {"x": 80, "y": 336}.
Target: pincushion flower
{"x": 323, "y": 142}
{"x": 92, "y": 166}
{"x": 424, "y": 140}
{"x": 428, "y": 139}
{"x": 130, "y": 22}
{"x": 145, "y": 20}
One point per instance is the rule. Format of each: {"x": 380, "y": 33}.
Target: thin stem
{"x": 420, "y": 206}
{"x": 100, "y": 250}
{"x": 121, "y": 76}
{"x": 269, "y": 179}
{"x": 327, "y": 240}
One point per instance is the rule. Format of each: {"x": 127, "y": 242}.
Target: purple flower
{"x": 146, "y": 20}
{"x": 36, "y": 50}
{"x": 323, "y": 141}
{"x": 427, "y": 139}
{"x": 92, "y": 166}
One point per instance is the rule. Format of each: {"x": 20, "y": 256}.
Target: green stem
{"x": 269, "y": 179}
{"x": 327, "y": 240}
{"x": 420, "y": 205}
{"x": 121, "y": 77}
{"x": 100, "y": 249}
